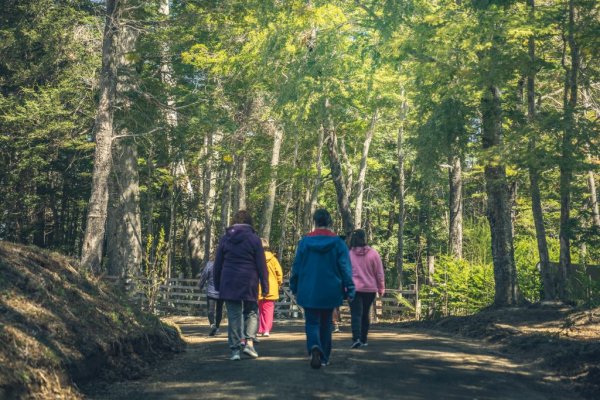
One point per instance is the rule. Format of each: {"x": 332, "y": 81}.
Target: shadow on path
{"x": 397, "y": 363}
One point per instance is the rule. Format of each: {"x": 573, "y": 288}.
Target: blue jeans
{"x": 242, "y": 319}
{"x": 318, "y": 330}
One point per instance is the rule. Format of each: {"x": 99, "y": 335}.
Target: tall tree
{"x": 91, "y": 254}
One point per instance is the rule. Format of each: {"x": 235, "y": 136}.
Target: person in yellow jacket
{"x": 266, "y": 303}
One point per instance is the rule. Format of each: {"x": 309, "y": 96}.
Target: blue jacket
{"x": 322, "y": 273}
{"x": 240, "y": 264}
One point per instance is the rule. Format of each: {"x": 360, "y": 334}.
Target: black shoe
{"x": 213, "y": 331}
{"x": 356, "y": 344}
{"x": 315, "y": 357}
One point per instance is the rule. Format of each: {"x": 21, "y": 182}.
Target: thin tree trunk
{"x": 401, "y": 211}
{"x": 534, "y": 176}
{"x": 455, "y": 237}
{"x": 226, "y": 199}
{"x": 499, "y": 206}
{"x": 209, "y": 195}
{"x": 349, "y": 176}
{"x": 566, "y": 164}
{"x": 312, "y": 200}
{"x": 338, "y": 178}
{"x": 288, "y": 200}
{"x": 265, "y": 229}
{"x": 594, "y": 199}
{"x": 92, "y": 248}
{"x": 362, "y": 173}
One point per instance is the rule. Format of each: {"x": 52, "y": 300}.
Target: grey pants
{"x": 242, "y": 319}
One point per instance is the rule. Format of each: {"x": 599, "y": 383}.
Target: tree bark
{"x": 362, "y": 172}
{"x": 312, "y": 200}
{"x": 400, "y": 195}
{"x": 567, "y": 161}
{"x": 209, "y": 195}
{"x": 499, "y": 209}
{"x": 92, "y": 247}
{"x": 455, "y": 237}
{"x": 594, "y": 199}
{"x": 265, "y": 228}
{"x": 288, "y": 202}
{"x": 226, "y": 199}
{"x": 338, "y": 178}
{"x": 534, "y": 177}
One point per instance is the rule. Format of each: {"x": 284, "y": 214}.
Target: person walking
{"x": 321, "y": 279}
{"x": 266, "y": 304}
{"x": 214, "y": 304}
{"x": 369, "y": 278}
{"x": 239, "y": 267}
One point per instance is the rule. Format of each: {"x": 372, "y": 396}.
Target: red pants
{"x": 266, "y": 309}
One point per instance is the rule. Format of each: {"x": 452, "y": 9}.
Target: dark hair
{"x": 322, "y": 218}
{"x": 242, "y": 217}
{"x": 358, "y": 238}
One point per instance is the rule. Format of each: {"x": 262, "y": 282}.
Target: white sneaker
{"x": 235, "y": 355}
{"x": 249, "y": 350}
{"x": 266, "y": 334}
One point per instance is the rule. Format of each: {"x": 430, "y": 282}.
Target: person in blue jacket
{"x": 321, "y": 279}
{"x": 239, "y": 267}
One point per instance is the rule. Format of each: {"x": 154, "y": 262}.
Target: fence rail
{"x": 183, "y": 297}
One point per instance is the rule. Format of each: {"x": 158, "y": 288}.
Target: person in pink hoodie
{"x": 368, "y": 276}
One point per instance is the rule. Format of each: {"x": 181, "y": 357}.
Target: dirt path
{"x": 397, "y": 363}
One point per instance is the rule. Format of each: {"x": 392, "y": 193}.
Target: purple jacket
{"x": 240, "y": 264}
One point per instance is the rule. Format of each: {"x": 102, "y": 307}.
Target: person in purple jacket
{"x": 369, "y": 278}
{"x": 239, "y": 267}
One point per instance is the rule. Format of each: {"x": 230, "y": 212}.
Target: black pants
{"x": 359, "y": 311}
{"x": 215, "y": 311}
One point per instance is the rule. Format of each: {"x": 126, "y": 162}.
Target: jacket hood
{"x": 269, "y": 256}
{"x": 360, "y": 251}
{"x": 238, "y": 232}
{"x": 321, "y": 244}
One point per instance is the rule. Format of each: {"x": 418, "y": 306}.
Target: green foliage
{"x": 460, "y": 288}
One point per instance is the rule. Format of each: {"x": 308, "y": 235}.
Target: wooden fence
{"x": 179, "y": 296}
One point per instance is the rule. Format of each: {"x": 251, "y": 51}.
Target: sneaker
{"x": 324, "y": 364}
{"x": 249, "y": 350}
{"x": 336, "y": 329}
{"x": 235, "y": 355}
{"x": 266, "y": 334}
{"x": 213, "y": 330}
{"x": 315, "y": 357}
{"x": 356, "y": 344}
{"x": 364, "y": 344}
{"x": 256, "y": 340}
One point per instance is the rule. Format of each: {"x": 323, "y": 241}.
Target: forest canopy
{"x": 463, "y": 136}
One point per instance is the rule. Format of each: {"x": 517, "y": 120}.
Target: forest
{"x": 462, "y": 135}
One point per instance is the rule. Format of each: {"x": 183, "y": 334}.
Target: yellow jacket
{"x": 275, "y": 278}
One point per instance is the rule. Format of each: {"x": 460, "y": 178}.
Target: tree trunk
{"x": 91, "y": 253}
{"x": 534, "y": 177}
{"x": 349, "y": 176}
{"x": 288, "y": 201}
{"x": 499, "y": 209}
{"x": 362, "y": 173}
{"x": 594, "y": 199}
{"x": 226, "y": 199}
{"x": 265, "y": 228}
{"x": 338, "y": 178}
{"x": 400, "y": 195}
{"x": 124, "y": 250}
{"x": 312, "y": 200}
{"x": 567, "y": 159}
{"x": 239, "y": 193}
{"x": 456, "y": 206}
{"x": 209, "y": 195}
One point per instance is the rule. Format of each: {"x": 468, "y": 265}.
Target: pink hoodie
{"x": 367, "y": 270}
